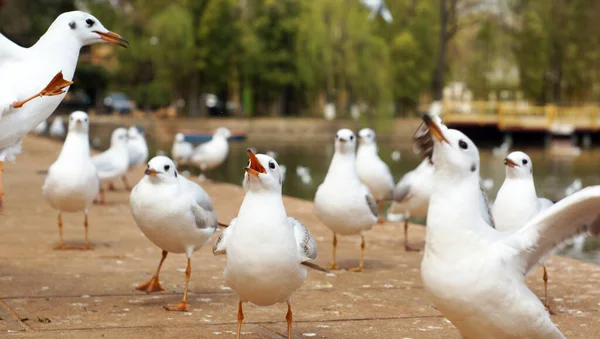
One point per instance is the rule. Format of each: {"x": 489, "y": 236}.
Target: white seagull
{"x": 517, "y": 201}
{"x": 265, "y": 248}
{"x": 476, "y": 274}
{"x": 372, "y": 171}
{"x": 114, "y": 162}
{"x": 175, "y": 213}
{"x": 41, "y": 128}
{"x": 181, "y": 150}
{"x": 42, "y": 71}
{"x": 57, "y": 128}
{"x": 137, "y": 151}
{"x": 378, "y": 7}
{"x": 72, "y": 182}
{"x": 342, "y": 202}
{"x": 214, "y": 152}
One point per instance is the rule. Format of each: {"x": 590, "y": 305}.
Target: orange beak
{"x": 434, "y": 129}
{"x": 150, "y": 172}
{"x": 255, "y": 167}
{"x": 510, "y": 163}
{"x": 113, "y": 38}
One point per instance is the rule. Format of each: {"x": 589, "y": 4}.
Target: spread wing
{"x": 10, "y": 51}
{"x": 220, "y": 246}
{"x": 571, "y": 216}
{"x": 307, "y": 246}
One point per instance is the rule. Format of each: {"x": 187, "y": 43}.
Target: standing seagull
{"x": 114, "y": 162}
{"x": 43, "y": 70}
{"x": 372, "y": 171}
{"x": 476, "y": 274}
{"x": 517, "y": 201}
{"x": 72, "y": 182}
{"x": 212, "y": 153}
{"x": 342, "y": 202}
{"x": 137, "y": 151}
{"x": 181, "y": 150}
{"x": 57, "y": 128}
{"x": 265, "y": 248}
{"x": 173, "y": 212}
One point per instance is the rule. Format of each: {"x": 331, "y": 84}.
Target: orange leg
{"x": 61, "y": 244}
{"x": 333, "y": 266}
{"x": 361, "y": 266}
{"x": 406, "y": 247}
{"x": 153, "y": 285}
{"x": 546, "y": 301}
{"x": 86, "y": 246}
{"x": 111, "y": 186}
{"x": 288, "y": 317}
{"x": 240, "y": 319}
{"x": 125, "y": 183}
{"x": 182, "y": 306}
{"x": 56, "y": 86}
{"x": 1, "y": 185}
{"x": 380, "y": 219}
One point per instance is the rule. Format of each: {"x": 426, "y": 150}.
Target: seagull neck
{"x": 259, "y": 204}
{"x": 59, "y": 46}
{"x": 343, "y": 165}
{"x": 76, "y": 144}
{"x": 367, "y": 148}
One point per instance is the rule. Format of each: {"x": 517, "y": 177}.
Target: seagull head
{"x": 222, "y": 132}
{"x": 366, "y": 136}
{"x": 79, "y": 122}
{"x": 452, "y": 150}
{"x": 119, "y": 137}
{"x": 86, "y": 29}
{"x": 518, "y": 165}
{"x": 161, "y": 169}
{"x": 345, "y": 141}
{"x": 179, "y": 137}
{"x": 262, "y": 173}
{"x": 134, "y": 132}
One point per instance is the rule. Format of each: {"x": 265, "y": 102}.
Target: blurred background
{"x": 284, "y": 75}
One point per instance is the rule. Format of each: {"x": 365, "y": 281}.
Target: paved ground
{"x": 72, "y": 294}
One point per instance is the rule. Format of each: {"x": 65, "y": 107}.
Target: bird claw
{"x": 181, "y": 307}
{"x": 356, "y": 269}
{"x": 549, "y": 309}
{"x": 411, "y": 249}
{"x": 86, "y": 247}
{"x": 62, "y": 247}
{"x": 153, "y": 285}
{"x": 332, "y": 267}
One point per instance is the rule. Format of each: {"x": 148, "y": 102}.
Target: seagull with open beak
{"x": 265, "y": 248}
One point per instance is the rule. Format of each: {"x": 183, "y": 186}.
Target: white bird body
{"x": 167, "y": 213}
{"x": 137, "y": 148}
{"x": 373, "y": 171}
{"x": 26, "y": 71}
{"x": 57, "y": 128}
{"x": 265, "y": 248}
{"x": 72, "y": 182}
{"x": 114, "y": 162}
{"x": 181, "y": 150}
{"x": 214, "y": 152}
{"x": 474, "y": 273}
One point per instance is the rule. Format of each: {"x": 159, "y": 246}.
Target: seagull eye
{"x": 337, "y": 136}
{"x": 90, "y": 22}
{"x": 352, "y": 137}
{"x": 525, "y": 161}
{"x": 271, "y": 165}
{"x": 462, "y": 144}
{"x": 167, "y": 167}
{"x": 85, "y": 119}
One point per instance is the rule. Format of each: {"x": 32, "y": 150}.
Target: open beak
{"x": 510, "y": 163}
{"x": 113, "y": 38}
{"x": 150, "y": 172}
{"x": 434, "y": 129}
{"x": 255, "y": 167}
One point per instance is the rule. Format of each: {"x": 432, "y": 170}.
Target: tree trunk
{"x": 437, "y": 85}
{"x": 194, "y": 94}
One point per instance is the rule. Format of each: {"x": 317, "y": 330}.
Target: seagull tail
{"x": 315, "y": 266}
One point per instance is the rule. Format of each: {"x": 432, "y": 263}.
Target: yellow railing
{"x": 508, "y": 115}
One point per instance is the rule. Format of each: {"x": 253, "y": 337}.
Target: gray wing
{"x": 307, "y": 246}
{"x": 402, "y": 189}
{"x": 220, "y": 246}
{"x": 104, "y": 163}
{"x": 486, "y": 207}
{"x": 372, "y": 204}
{"x": 202, "y": 206}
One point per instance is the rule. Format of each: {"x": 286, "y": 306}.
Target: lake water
{"x": 553, "y": 174}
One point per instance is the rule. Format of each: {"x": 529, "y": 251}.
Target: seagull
{"x": 342, "y": 202}
{"x": 175, "y": 213}
{"x": 573, "y": 187}
{"x": 517, "y": 201}
{"x": 212, "y": 153}
{"x": 378, "y": 7}
{"x": 72, "y": 182}
{"x": 41, "y": 128}
{"x": 114, "y": 162}
{"x": 476, "y": 274}
{"x": 411, "y": 194}
{"x": 35, "y": 80}
{"x": 182, "y": 150}
{"x": 265, "y": 248}
{"x": 137, "y": 151}
{"x": 57, "y": 128}
{"x": 372, "y": 171}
